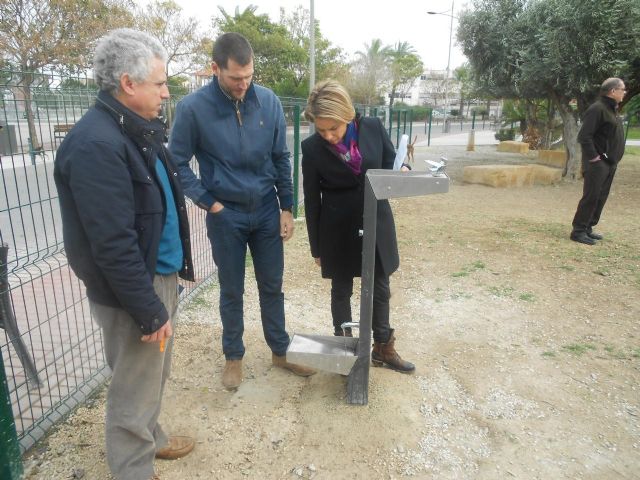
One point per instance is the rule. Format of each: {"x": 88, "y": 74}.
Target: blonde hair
{"x": 331, "y": 100}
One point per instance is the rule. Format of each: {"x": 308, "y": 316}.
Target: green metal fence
{"x": 51, "y": 355}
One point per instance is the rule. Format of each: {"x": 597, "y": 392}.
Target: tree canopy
{"x": 556, "y": 49}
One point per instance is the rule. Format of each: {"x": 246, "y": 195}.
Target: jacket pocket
{"x": 146, "y": 194}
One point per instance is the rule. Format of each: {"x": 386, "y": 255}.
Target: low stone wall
{"x": 553, "y": 158}
{"x": 512, "y": 146}
{"x": 502, "y": 176}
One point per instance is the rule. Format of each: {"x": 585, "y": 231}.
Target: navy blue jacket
{"x": 113, "y": 208}
{"x": 242, "y": 154}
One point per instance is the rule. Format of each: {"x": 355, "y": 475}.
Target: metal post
{"x": 358, "y": 380}
{"x": 10, "y": 458}
{"x": 429, "y": 134}
{"x": 296, "y": 158}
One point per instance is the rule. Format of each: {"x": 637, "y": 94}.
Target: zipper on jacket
{"x": 237, "y": 105}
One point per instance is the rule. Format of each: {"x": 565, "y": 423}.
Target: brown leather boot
{"x": 385, "y": 354}
{"x": 232, "y": 374}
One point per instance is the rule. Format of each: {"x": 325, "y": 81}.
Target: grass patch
{"x": 462, "y": 273}
{"x": 501, "y": 291}
{"x": 527, "y": 297}
{"x": 578, "y": 348}
{"x": 468, "y": 269}
{"x": 632, "y": 151}
{"x": 568, "y": 268}
{"x": 549, "y": 354}
{"x": 636, "y": 353}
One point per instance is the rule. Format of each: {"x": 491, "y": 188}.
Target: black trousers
{"x": 341, "y": 292}
{"x": 598, "y": 177}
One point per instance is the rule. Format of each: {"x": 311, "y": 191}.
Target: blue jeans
{"x": 230, "y": 232}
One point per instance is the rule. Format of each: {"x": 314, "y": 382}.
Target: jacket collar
{"x": 250, "y": 98}
{"x": 610, "y": 102}
{"x": 132, "y": 124}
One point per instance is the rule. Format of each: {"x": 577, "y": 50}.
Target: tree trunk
{"x": 570, "y": 136}
{"x": 27, "y": 80}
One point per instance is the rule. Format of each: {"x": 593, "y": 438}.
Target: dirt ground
{"x": 527, "y": 348}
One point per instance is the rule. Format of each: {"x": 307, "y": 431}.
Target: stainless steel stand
{"x": 352, "y": 355}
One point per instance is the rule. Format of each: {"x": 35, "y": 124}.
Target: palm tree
{"x": 371, "y": 70}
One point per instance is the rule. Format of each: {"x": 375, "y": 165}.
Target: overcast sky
{"x": 350, "y": 24}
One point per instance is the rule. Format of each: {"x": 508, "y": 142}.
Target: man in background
{"x": 602, "y": 139}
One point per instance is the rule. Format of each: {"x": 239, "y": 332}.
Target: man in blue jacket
{"x": 126, "y": 236}
{"x": 602, "y": 139}
{"x": 237, "y": 132}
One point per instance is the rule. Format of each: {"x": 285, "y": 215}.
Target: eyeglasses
{"x": 621, "y": 88}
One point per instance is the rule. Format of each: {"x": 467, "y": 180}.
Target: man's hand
{"x": 216, "y": 207}
{"x": 318, "y": 262}
{"x": 163, "y": 333}
{"x": 286, "y": 225}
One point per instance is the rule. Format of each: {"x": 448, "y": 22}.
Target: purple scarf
{"x": 348, "y": 148}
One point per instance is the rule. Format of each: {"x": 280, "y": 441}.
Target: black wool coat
{"x": 334, "y": 202}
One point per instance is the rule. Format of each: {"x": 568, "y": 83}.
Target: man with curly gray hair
{"x": 126, "y": 236}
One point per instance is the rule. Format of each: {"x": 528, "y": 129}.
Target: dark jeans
{"x": 341, "y": 291}
{"x": 230, "y": 232}
{"x": 598, "y": 177}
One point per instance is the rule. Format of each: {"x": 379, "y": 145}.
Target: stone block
{"x": 543, "y": 175}
{"x": 499, "y": 176}
{"x": 512, "y": 146}
{"x": 553, "y": 158}
{"x": 502, "y": 176}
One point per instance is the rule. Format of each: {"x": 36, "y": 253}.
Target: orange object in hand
{"x": 162, "y": 345}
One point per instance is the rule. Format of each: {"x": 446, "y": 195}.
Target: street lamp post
{"x": 446, "y": 78}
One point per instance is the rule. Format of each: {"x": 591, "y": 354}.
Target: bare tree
{"x": 53, "y": 33}
{"x": 186, "y": 45}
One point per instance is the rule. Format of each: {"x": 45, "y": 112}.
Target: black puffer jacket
{"x": 113, "y": 208}
{"x": 602, "y": 132}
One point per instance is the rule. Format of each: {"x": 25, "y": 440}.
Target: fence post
{"x": 296, "y": 159}
{"x": 10, "y": 459}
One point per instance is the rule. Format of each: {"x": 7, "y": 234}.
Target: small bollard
{"x": 471, "y": 142}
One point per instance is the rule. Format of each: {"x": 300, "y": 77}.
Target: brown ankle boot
{"x": 385, "y": 354}
{"x": 232, "y": 374}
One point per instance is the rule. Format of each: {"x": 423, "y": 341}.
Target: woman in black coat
{"x": 334, "y": 162}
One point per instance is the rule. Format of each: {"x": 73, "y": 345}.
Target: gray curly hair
{"x": 125, "y": 51}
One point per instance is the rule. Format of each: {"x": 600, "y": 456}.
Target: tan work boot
{"x": 232, "y": 374}
{"x": 385, "y": 354}
{"x": 178, "y": 447}
{"x": 281, "y": 362}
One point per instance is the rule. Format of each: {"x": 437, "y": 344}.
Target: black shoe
{"x": 594, "y": 235}
{"x": 582, "y": 237}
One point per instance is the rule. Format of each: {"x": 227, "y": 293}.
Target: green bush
{"x": 505, "y": 134}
